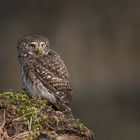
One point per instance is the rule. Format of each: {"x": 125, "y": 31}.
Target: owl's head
{"x": 33, "y": 45}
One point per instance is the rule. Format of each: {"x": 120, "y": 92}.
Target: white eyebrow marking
{"x": 42, "y": 43}
{"x": 34, "y": 43}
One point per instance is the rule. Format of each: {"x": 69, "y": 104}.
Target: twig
{"x": 3, "y": 123}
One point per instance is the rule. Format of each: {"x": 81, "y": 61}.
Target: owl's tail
{"x": 64, "y": 105}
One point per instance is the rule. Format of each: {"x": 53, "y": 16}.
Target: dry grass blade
{"x": 3, "y": 133}
{"x": 21, "y": 135}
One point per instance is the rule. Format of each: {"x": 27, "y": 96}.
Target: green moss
{"x": 79, "y": 125}
{"x": 28, "y": 108}
{"x": 15, "y": 95}
{"x": 3, "y": 106}
{"x": 32, "y": 114}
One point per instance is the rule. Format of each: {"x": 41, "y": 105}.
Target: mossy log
{"x": 23, "y": 117}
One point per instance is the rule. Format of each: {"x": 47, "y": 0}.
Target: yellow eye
{"x": 43, "y": 45}
{"x": 31, "y": 45}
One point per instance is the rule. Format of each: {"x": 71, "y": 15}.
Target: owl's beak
{"x": 39, "y": 50}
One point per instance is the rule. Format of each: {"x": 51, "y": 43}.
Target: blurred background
{"x": 99, "y": 42}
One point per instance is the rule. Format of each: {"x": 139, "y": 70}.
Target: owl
{"x": 43, "y": 72}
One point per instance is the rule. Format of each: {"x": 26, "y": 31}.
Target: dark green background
{"x": 100, "y": 43}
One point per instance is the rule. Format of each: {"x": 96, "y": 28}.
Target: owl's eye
{"x": 43, "y": 45}
{"x": 31, "y": 45}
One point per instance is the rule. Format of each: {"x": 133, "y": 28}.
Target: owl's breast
{"x": 25, "y": 78}
{"x": 33, "y": 84}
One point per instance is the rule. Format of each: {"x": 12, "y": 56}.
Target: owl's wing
{"x": 52, "y": 72}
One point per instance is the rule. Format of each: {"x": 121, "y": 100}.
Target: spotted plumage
{"x": 43, "y": 72}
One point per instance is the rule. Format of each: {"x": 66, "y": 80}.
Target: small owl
{"x": 43, "y": 72}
